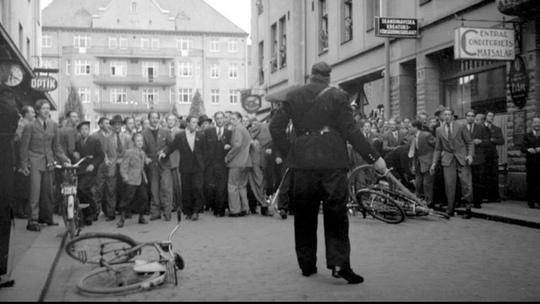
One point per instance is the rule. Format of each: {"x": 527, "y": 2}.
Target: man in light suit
{"x": 393, "y": 138}
{"x": 492, "y": 159}
{"x": 455, "y": 148}
{"x": 421, "y": 151}
{"x": 39, "y": 146}
{"x": 101, "y": 187}
{"x": 260, "y": 146}
{"x": 172, "y": 125}
{"x": 156, "y": 139}
{"x": 480, "y": 137}
{"x": 239, "y": 162}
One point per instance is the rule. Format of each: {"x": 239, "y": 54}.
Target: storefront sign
{"x": 518, "y": 80}
{"x": 519, "y": 120}
{"x": 484, "y": 44}
{"x": 396, "y": 27}
{"x": 43, "y": 83}
{"x": 251, "y": 103}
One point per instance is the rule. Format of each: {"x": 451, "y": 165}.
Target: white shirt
{"x": 191, "y": 139}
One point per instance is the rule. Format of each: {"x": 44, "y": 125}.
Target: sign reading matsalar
{"x": 396, "y": 27}
{"x": 484, "y": 44}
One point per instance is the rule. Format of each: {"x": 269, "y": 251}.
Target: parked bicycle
{"x": 71, "y": 208}
{"x": 117, "y": 273}
{"x": 384, "y": 197}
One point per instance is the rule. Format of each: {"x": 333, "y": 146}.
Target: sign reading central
{"x": 484, "y": 43}
{"x": 396, "y": 27}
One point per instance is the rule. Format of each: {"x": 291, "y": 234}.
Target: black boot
{"x": 265, "y": 212}
{"x": 347, "y": 274}
{"x": 120, "y": 223}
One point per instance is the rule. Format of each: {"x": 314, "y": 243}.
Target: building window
{"x": 261, "y": 62}
{"x": 123, "y": 43}
{"x": 274, "y": 50}
{"x": 184, "y": 95}
{"x": 233, "y": 46}
{"x": 82, "y": 67}
{"x": 171, "y": 69}
{"x": 145, "y": 43}
{"x": 233, "y": 71}
{"x": 46, "y": 41}
{"x": 323, "y": 26}
{"x": 198, "y": 71}
{"x": 97, "y": 96}
{"x": 233, "y": 97}
{"x": 214, "y": 71}
{"x": 119, "y": 68}
{"x": 372, "y": 10}
{"x": 347, "y": 23}
{"x": 184, "y": 44}
{"x": 68, "y": 67}
{"x": 133, "y": 7}
{"x": 214, "y": 96}
{"x": 150, "y": 96}
{"x": 283, "y": 42}
{"x": 172, "y": 96}
{"x": 185, "y": 69}
{"x": 155, "y": 43}
{"x": 85, "y": 95}
{"x": 113, "y": 43}
{"x": 214, "y": 45}
{"x": 118, "y": 95}
{"x": 150, "y": 69}
{"x": 96, "y": 67}
{"x": 81, "y": 41}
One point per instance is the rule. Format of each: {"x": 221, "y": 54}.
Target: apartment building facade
{"x": 128, "y": 57}
{"x": 423, "y": 72}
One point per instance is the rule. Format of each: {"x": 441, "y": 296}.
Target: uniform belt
{"x": 321, "y": 131}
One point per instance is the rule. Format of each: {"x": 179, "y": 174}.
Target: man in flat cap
{"x": 323, "y": 122}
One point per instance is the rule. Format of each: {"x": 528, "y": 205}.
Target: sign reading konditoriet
{"x": 396, "y": 27}
{"x": 484, "y": 43}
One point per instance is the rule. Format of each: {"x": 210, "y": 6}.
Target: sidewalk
{"x": 33, "y": 256}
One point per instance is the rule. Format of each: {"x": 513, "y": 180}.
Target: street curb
{"x": 47, "y": 284}
{"x": 497, "y": 218}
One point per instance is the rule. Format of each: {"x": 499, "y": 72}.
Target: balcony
{"x": 134, "y": 80}
{"x": 107, "y": 107}
{"x": 131, "y": 52}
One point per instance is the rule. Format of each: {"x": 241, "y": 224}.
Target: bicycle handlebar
{"x": 73, "y": 166}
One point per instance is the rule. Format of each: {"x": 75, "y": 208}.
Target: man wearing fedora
{"x": 323, "y": 121}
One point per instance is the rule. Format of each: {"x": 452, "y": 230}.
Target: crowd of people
{"x": 146, "y": 165}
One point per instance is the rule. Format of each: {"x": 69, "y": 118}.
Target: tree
{"x": 73, "y": 103}
{"x": 197, "y": 105}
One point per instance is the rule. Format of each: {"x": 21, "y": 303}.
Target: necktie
{"x": 471, "y": 128}
{"x": 118, "y": 144}
{"x": 449, "y": 130}
{"x": 45, "y": 124}
{"x": 220, "y": 130}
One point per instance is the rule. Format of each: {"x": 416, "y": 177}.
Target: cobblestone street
{"x": 252, "y": 258}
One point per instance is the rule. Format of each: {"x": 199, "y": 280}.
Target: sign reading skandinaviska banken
{"x": 484, "y": 43}
{"x": 396, "y": 27}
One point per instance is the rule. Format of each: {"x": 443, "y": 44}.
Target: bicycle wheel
{"x": 361, "y": 178}
{"x": 380, "y": 206}
{"x": 115, "y": 279}
{"x": 96, "y": 247}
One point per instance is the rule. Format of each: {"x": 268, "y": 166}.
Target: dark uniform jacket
{"x": 215, "y": 148}
{"x": 190, "y": 161}
{"x": 532, "y": 160}
{"x": 331, "y": 112}
{"x": 91, "y": 146}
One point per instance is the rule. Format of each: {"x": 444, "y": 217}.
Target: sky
{"x": 238, "y": 11}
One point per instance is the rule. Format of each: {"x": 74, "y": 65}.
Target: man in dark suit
{"x": 531, "y": 148}
{"x": 156, "y": 139}
{"x": 455, "y": 149}
{"x": 85, "y": 146}
{"x": 323, "y": 121}
{"x": 39, "y": 146}
{"x": 480, "y": 138}
{"x": 492, "y": 159}
{"x": 393, "y": 138}
{"x": 190, "y": 144}
{"x": 101, "y": 186}
{"x": 421, "y": 151}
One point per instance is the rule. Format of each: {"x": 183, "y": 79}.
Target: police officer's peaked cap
{"x": 86, "y": 122}
{"x": 321, "y": 68}
{"x": 117, "y": 119}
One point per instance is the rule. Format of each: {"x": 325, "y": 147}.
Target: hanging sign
{"x": 251, "y": 103}
{"x": 44, "y": 83}
{"x": 484, "y": 43}
{"x": 518, "y": 81}
{"x": 396, "y": 27}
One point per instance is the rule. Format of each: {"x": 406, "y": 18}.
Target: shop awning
{"x": 280, "y": 95}
{"x": 9, "y": 51}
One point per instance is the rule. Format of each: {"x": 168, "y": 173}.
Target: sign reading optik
{"x": 484, "y": 44}
{"x": 43, "y": 83}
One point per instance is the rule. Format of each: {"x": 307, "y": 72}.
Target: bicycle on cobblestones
{"x": 117, "y": 272}
{"x": 384, "y": 197}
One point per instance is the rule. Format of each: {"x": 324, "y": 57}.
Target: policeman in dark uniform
{"x": 323, "y": 120}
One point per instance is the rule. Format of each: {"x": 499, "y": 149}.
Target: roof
{"x": 183, "y": 15}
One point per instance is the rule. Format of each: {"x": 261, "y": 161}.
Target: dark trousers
{"x": 439, "y": 191}
{"x": 6, "y": 199}
{"x": 284, "y": 194}
{"x": 492, "y": 179}
{"x": 478, "y": 180}
{"x": 177, "y": 189}
{"x": 215, "y": 187}
{"x": 192, "y": 193}
{"x": 84, "y": 194}
{"x": 533, "y": 187}
{"x": 310, "y": 187}
{"x": 134, "y": 198}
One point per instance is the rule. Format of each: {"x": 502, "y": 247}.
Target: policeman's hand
{"x": 531, "y": 150}
{"x": 279, "y": 161}
{"x": 227, "y": 147}
{"x": 90, "y": 168}
{"x": 432, "y": 169}
{"x": 380, "y": 166}
{"x": 469, "y": 160}
{"x": 268, "y": 151}
{"x": 65, "y": 164}
{"x": 161, "y": 155}
{"x": 477, "y": 141}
